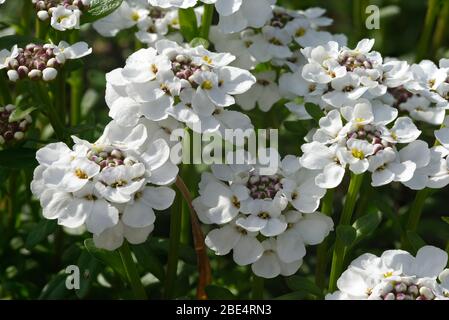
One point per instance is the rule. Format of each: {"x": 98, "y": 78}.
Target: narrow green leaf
{"x": 196, "y": 42}
{"x": 297, "y": 295}
{"x": 89, "y": 269}
{"x": 99, "y": 9}
{"x": 296, "y": 127}
{"x": 302, "y": 284}
{"x": 314, "y": 111}
{"x": 219, "y": 293}
{"x": 39, "y": 233}
{"x": 366, "y": 224}
{"x": 149, "y": 261}
{"x": 109, "y": 258}
{"x": 445, "y": 219}
{"x": 19, "y": 113}
{"x": 188, "y": 23}
{"x": 415, "y": 240}
{"x": 55, "y": 289}
{"x": 347, "y": 235}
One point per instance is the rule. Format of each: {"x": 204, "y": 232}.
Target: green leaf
{"x": 188, "y": 23}
{"x": 302, "y": 284}
{"x": 56, "y": 289}
{"x": 89, "y": 269}
{"x": 415, "y": 240}
{"x": 109, "y": 258}
{"x": 19, "y": 113}
{"x": 149, "y": 261}
{"x": 346, "y": 234}
{"x": 366, "y": 224}
{"x": 445, "y": 219}
{"x": 42, "y": 230}
{"x": 196, "y": 42}
{"x": 314, "y": 111}
{"x": 99, "y": 9}
{"x": 296, "y": 127}
{"x": 18, "y": 158}
{"x": 219, "y": 293}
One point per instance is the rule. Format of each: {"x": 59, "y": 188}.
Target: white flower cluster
{"x": 365, "y": 142}
{"x": 153, "y": 23}
{"x": 37, "y": 61}
{"x": 63, "y": 14}
{"x": 191, "y": 85}
{"x": 266, "y": 220}
{"x": 12, "y": 129}
{"x": 235, "y": 15}
{"x": 107, "y": 186}
{"x": 396, "y": 275}
{"x": 436, "y": 174}
{"x": 278, "y": 44}
{"x": 333, "y": 76}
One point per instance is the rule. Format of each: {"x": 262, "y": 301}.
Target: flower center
{"x": 357, "y": 153}
{"x": 280, "y": 19}
{"x": 352, "y": 61}
{"x": 207, "y": 85}
{"x": 106, "y": 156}
{"x": 263, "y": 187}
{"x": 81, "y": 174}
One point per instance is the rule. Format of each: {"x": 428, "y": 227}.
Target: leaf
{"x": 346, "y": 234}
{"x": 314, "y": 111}
{"x": 196, "y": 42}
{"x": 42, "y": 230}
{"x": 149, "y": 261}
{"x": 56, "y": 289}
{"x": 416, "y": 242}
{"x": 109, "y": 258}
{"x": 186, "y": 253}
{"x": 19, "y": 113}
{"x": 18, "y": 158}
{"x": 219, "y": 293}
{"x": 89, "y": 268}
{"x": 188, "y": 23}
{"x": 302, "y": 284}
{"x": 445, "y": 219}
{"x": 99, "y": 9}
{"x": 366, "y": 224}
{"x": 296, "y": 127}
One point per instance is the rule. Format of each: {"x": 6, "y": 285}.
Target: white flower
{"x": 264, "y": 93}
{"x": 396, "y": 275}
{"x": 271, "y": 43}
{"x": 247, "y": 203}
{"x": 65, "y": 18}
{"x": 269, "y": 265}
{"x": 107, "y": 186}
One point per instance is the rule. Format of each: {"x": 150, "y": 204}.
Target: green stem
{"x": 76, "y": 88}
{"x": 322, "y": 257}
{"x": 131, "y": 272}
{"x": 345, "y": 219}
{"x": 441, "y": 27}
{"x": 4, "y": 90}
{"x": 258, "y": 287}
{"x": 173, "y": 246}
{"x": 206, "y": 21}
{"x": 424, "y": 41}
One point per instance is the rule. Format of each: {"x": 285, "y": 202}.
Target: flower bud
{"x": 13, "y": 75}
{"x": 43, "y": 15}
{"x": 35, "y": 74}
{"x": 49, "y": 74}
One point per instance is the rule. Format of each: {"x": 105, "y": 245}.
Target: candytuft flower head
{"x": 395, "y": 275}
{"x": 12, "y": 129}
{"x": 249, "y": 206}
{"x": 111, "y": 186}
{"x": 36, "y": 61}
{"x": 63, "y": 14}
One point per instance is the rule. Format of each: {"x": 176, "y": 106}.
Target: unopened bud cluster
{"x": 45, "y": 8}
{"x": 35, "y": 62}
{"x": 12, "y": 130}
{"x": 406, "y": 290}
